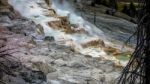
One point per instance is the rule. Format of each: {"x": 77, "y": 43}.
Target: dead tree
{"x": 8, "y": 63}
{"x": 137, "y": 71}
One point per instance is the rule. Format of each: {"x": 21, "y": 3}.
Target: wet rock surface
{"x": 118, "y": 27}
{"x": 50, "y": 63}
{"x": 43, "y": 61}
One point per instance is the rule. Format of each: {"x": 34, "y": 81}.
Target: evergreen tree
{"x": 104, "y": 2}
{"x": 113, "y": 4}
{"x": 132, "y": 9}
{"x": 93, "y": 3}
{"x": 126, "y": 10}
{"x": 98, "y": 1}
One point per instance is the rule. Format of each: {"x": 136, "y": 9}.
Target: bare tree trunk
{"x": 137, "y": 71}
{"x": 147, "y": 58}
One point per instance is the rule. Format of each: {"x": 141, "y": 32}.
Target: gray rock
{"x": 60, "y": 62}
{"x": 107, "y": 66}
{"x": 49, "y": 38}
{"x": 33, "y": 77}
{"x": 78, "y": 65}
{"x": 40, "y": 29}
{"x": 44, "y": 67}
{"x": 5, "y": 19}
{"x": 13, "y": 80}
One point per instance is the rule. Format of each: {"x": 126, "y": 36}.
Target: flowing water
{"x": 31, "y": 9}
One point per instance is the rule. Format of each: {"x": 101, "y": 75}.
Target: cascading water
{"x": 94, "y": 33}
{"x": 33, "y": 11}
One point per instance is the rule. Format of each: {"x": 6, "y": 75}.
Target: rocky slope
{"x": 45, "y": 62}
{"x": 46, "y": 59}
{"x": 117, "y": 26}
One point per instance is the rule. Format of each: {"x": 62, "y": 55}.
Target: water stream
{"x": 32, "y": 10}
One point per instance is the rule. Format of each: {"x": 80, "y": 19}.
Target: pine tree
{"x": 113, "y": 4}
{"x": 105, "y": 3}
{"x": 132, "y": 9}
{"x": 126, "y": 10}
{"x": 93, "y": 3}
{"x": 98, "y": 1}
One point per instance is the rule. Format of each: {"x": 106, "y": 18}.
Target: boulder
{"x": 2, "y": 29}
{"x": 81, "y": 31}
{"x": 33, "y": 77}
{"x": 78, "y": 65}
{"x": 62, "y": 24}
{"x": 94, "y": 43}
{"x": 75, "y": 25}
{"x": 111, "y": 50}
{"x": 7, "y": 79}
{"x": 49, "y": 38}
{"x": 44, "y": 67}
{"x": 51, "y": 12}
{"x": 103, "y": 65}
{"x": 3, "y": 2}
{"x": 6, "y": 9}
{"x": 55, "y": 24}
{"x": 64, "y": 20}
{"x": 60, "y": 62}
{"x": 32, "y": 41}
{"x": 40, "y": 29}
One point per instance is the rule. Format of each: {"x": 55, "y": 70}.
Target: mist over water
{"x": 64, "y": 9}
